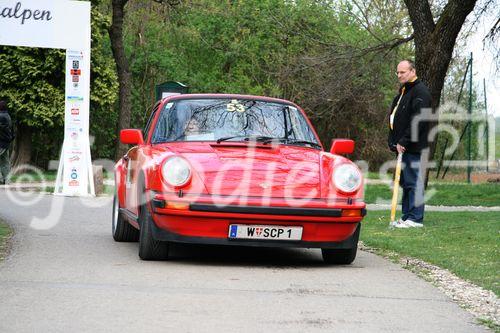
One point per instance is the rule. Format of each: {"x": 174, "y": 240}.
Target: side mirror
{"x": 342, "y": 146}
{"x": 131, "y": 137}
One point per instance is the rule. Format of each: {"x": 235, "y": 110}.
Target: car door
{"x": 133, "y": 167}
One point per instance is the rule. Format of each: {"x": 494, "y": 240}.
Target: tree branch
{"x": 390, "y": 44}
{"x": 495, "y": 29}
{"x": 366, "y": 25}
{"x": 452, "y": 19}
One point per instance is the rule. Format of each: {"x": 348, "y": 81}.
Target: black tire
{"x": 342, "y": 256}
{"x": 150, "y": 248}
{"x": 121, "y": 229}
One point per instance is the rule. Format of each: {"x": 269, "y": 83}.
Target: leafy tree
{"x": 122, "y": 69}
{"x": 103, "y": 89}
{"x": 33, "y": 85}
{"x": 122, "y": 66}
{"x": 310, "y": 53}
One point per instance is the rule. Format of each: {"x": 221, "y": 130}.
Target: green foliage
{"x": 312, "y": 53}
{"x": 315, "y": 53}
{"x": 103, "y": 89}
{"x": 33, "y": 85}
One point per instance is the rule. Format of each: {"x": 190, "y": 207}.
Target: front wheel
{"x": 121, "y": 229}
{"x": 342, "y": 256}
{"x": 150, "y": 248}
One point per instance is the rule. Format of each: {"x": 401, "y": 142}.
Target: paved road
{"x": 74, "y": 277}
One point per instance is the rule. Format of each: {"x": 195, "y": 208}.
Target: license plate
{"x": 274, "y": 232}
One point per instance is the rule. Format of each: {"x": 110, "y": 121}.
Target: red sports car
{"x": 236, "y": 170}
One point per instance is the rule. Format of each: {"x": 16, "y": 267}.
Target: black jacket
{"x": 6, "y": 135}
{"x": 416, "y": 101}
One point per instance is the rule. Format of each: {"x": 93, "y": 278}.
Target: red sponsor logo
{"x": 76, "y": 78}
{"x": 75, "y": 111}
{"x": 76, "y": 72}
{"x": 73, "y": 183}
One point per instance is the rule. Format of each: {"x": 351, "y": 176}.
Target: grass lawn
{"x": 374, "y": 175}
{"x": 29, "y": 177}
{"x": 466, "y": 243}
{"x": 4, "y": 234}
{"x": 444, "y": 194}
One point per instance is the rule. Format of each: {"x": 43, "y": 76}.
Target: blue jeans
{"x": 412, "y": 182}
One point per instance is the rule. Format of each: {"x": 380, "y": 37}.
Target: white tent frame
{"x": 65, "y": 25}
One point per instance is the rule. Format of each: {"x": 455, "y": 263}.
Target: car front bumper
{"x": 207, "y": 220}
{"x": 348, "y": 243}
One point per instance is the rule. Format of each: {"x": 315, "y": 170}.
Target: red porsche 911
{"x": 236, "y": 170}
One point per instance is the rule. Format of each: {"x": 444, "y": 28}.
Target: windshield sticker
{"x": 235, "y": 106}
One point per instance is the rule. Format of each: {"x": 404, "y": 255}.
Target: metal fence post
{"x": 487, "y": 130}
{"x": 469, "y": 129}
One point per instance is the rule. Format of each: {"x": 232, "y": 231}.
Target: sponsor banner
{"x": 75, "y": 169}
{"x": 74, "y": 90}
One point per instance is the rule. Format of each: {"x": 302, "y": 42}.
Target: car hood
{"x": 259, "y": 170}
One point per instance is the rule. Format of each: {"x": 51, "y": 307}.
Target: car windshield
{"x": 231, "y": 119}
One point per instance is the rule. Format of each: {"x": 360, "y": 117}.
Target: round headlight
{"x": 347, "y": 178}
{"x": 176, "y": 171}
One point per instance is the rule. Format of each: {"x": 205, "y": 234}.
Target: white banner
{"x": 75, "y": 166}
{"x": 53, "y": 24}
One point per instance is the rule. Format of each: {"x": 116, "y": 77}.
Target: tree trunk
{"x": 21, "y": 153}
{"x": 434, "y": 43}
{"x": 122, "y": 67}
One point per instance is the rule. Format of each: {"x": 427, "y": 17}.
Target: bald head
{"x": 406, "y": 71}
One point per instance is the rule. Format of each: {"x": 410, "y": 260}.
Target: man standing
{"x": 6, "y": 138}
{"x": 408, "y": 135}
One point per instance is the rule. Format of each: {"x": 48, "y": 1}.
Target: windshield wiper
{"x": 246, "y": 138}
{"x": 303, "y": 142}
{"x": 295, "y": 141}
